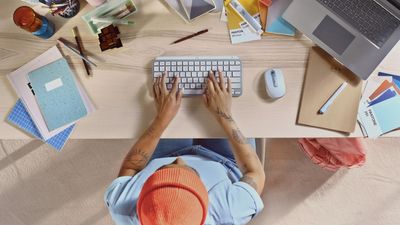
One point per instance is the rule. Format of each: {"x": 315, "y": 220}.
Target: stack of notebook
{"x": 51, "y": 100}
{"x": 379, "y": 108}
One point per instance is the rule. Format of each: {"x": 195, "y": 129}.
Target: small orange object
{"x": 266, "y": 2}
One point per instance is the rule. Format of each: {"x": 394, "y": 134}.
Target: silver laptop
{"x": 358, "y": 33}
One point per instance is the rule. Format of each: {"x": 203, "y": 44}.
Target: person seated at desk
{"x": 185, "y": 181}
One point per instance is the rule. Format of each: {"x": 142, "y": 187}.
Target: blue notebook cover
{"x": 57, "y": 94}
{"x": 21, "y": 118}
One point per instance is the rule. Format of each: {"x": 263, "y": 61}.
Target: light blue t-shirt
{"x": 229, "y": 202}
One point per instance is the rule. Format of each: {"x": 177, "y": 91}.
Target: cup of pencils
{"x": 63, "y": 8}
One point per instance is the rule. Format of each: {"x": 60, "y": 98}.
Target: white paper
{"x": 19, "y": 81}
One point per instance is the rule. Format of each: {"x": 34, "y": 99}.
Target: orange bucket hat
{"x": 173, "y": 196}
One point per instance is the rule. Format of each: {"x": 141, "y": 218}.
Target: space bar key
{"x": 193, "y": 92}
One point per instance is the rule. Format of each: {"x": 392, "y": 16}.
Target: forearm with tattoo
{"x": 142, "y": 150}
{"x": 245, "y": 156}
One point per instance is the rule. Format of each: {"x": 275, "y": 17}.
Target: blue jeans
{"x": 167, "y": 147}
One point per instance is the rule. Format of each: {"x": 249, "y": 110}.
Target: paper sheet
{"x": 18, "y": 80}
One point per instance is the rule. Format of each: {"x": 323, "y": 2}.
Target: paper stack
{"x": 36, "y": 113}
{"x": 379, "y": 108}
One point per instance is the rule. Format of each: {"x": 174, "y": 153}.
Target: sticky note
{"x": 54, "y": 84}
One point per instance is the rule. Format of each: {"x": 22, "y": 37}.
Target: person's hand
{"x": 167, "y": 102}
{"x": 218, "y": 98}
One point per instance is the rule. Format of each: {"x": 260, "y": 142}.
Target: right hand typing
{"x": 217, "y": 98}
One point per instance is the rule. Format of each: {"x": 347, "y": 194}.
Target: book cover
{"x": 57, "y": 94}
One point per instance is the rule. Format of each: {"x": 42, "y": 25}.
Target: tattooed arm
{"x": 168, "y": 104}
{"x": 218, "y": 100}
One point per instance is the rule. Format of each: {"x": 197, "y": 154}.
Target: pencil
{"x": 190, "y": 36}
{"x": 76, "y": 52}
{"x": 80, "y": 49}
{"x": 329, "y": 102}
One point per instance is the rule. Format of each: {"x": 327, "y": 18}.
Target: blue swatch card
{"x": 57, "y": 95}
{"x": 386, "y": 95}
{"x": 21, "y": 118}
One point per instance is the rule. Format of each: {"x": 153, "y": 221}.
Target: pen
{"x": 190, "y": 36}
{"x": 80, "y": 49}
{"x": 111, "y": 20}
{"x": 76, "y": 52}
{"x": 328, "y": 103}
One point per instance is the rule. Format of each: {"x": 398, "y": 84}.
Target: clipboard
{"x": 323, "y": 76}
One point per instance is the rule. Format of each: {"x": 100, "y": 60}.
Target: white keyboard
{"x": 193, "y": 71}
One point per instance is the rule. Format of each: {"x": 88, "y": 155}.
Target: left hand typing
{"x": 167, "y": 102}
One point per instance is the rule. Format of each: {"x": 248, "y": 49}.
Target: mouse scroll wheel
{"x": 274, "y": 82}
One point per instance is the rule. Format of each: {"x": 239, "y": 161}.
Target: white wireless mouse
{"x": 275, "y": 83}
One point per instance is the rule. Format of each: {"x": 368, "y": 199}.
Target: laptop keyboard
{"x": 193, "y": 71}
{"x": 366, "y": 16}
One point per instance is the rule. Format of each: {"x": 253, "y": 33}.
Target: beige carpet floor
{"x": 41, "y": 186}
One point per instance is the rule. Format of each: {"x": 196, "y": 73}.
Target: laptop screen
{"x": 396, "y": 3}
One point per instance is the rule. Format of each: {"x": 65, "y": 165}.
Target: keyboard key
{"x": 157, "y": 74}
{"x": 236, "y": 74}
{"x": 202, "y": 63}
{"x": 235, "y": 85}
{"x": 196, "y": 63}
{"x": 190, "y": 63}
{"x": 183, "y": 80}
{"x": 179, "y": 63}
{"x": 162, "y": 63}
{"x": 173, "y": 63}
{"x": 167, "y": 63}
{"x": 202, "y": 68}
{"x": 192, "y": 86}
{"x": 208, "y": 63}
{"x": 235, "y": 80}
{"x": 185, "y": 63}
{"x": 162, "y": 68}
{"x": 235, "y": 68}
{"x": 156, "y": 69}
{"x": 156, "y": 63}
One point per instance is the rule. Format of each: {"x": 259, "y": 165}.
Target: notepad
{"x": 323, "y": 77}
{"x": 57, "y": 94}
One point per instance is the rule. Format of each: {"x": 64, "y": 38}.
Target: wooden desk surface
{"x": 120, "y": 87}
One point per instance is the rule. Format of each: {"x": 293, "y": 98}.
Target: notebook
{"x": 57, "y": 94}
{"x": 21, "y": 118}
{"x": 323, "y": 77}
{"x": 19, "y": 82}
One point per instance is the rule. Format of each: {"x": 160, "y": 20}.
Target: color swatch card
{"x": 239, "y": 30}
{"x": 57, "y": 94}
{"x": 379, "y": 108}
